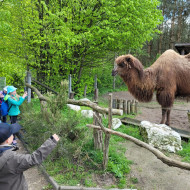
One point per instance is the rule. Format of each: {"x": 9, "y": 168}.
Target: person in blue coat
{"x": 14, "y": 101}
{"x": 4, "y": 115}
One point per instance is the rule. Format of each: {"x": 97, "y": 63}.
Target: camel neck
{"x": 142, "y": 89}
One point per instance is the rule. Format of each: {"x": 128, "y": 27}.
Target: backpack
{"x": 5, "y": 108}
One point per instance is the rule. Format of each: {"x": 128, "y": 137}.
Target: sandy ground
{"x": 34, "y": 178}
{"x": 150, "y": 172}
{"x": 152, "y": 111}
{"x": 153, "y": 174}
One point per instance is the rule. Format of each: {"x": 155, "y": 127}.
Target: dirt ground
{"x": 152, "y": 111}
{"x": 148, "y": 171}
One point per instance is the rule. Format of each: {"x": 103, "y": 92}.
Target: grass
{"x": 185, "y": 152}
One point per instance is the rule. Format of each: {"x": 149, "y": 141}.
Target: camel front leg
{"x": 168, "y": 117}
{"x": 164, "y": 112}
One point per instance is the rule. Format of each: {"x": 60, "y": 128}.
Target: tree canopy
{"x": 54, "y": 38}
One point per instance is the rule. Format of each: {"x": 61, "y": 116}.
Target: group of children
{"x": 12, "y": 164}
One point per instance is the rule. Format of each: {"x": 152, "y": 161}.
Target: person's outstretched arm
{"x": 28, "y": 160}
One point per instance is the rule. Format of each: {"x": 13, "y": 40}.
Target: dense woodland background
{"x": 55, "y": 38}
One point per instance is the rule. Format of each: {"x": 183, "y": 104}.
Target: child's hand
{"x": 56, "y": 137}
{"x": 25, "y": 94}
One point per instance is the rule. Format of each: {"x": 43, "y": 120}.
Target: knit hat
{"x": 6, "y": 130}
{"x": 10, "y": 89}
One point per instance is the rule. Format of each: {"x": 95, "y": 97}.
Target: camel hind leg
{"x": 165, "y": 99}
{"x": 165, "y": 116}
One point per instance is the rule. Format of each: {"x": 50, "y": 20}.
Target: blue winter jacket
{"x": 14, "y": 110}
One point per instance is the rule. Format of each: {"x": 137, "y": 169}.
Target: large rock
{"x": 85, "y": 100}
{"x": 116, "y": 123}
{"x": 74, "y": 107}
{"x": 87, "y": 113}
{"x": 161, "y": 136}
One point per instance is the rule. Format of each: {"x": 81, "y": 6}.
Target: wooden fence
{"x": 128, "y": 106}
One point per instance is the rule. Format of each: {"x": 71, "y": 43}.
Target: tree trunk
{"x": 172, "y": 39}
{"x": 161, "y": 28}
{"x": 107, "y": 135}
{"x": 97, "y": 134}
{"x": 179, "y": 25}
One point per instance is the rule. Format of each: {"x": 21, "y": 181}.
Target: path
{"x": 34, "y": 178}
{"x": 153, "y": 174}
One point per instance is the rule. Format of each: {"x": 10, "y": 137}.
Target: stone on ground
{"x": 116, "y": 123}
{"x": 74, "y": 107}
{"x": 161, "y": 136}
{"x": 85, "y": 99}
{"x": 87, "y": 113}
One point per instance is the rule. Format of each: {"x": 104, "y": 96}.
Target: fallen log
{"x": 156, "y": 152}
{"x": 90, "y": 104}
{"x": 94, "y": 106}
{"x": 40, "y": 96}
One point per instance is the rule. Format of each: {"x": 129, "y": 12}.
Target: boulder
{"x": 85, "y": 99}
{"x": 87, "y": 113}
{"x": 160, "y": 136}
{"x": 116, "y": 123}
{"x": 74, "y": 107}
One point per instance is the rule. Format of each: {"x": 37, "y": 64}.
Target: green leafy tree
{"x": 57, "y": 38}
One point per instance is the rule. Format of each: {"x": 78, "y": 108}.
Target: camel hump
{"x": 170, "y": 51}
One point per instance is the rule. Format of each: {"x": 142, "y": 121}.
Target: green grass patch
{"x": 185, "y": 153}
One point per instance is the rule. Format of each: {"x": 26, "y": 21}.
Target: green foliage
{"x": 185, "y": 153}
{"x": 129, "y": 130}
{"x": 57, "y": 38}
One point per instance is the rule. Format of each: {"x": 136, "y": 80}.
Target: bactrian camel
{"x": 168, "y": 76}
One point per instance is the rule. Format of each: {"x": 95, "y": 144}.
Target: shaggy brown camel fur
{"x": 169, "y": 76}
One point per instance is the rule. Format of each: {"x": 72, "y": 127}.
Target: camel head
{"x": 127, "y": 63}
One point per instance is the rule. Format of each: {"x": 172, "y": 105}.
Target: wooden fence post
{"x": 118, "y": 103}
{"x": 188, "y": 116}
{"x": 128, "y": 106}
{"x": 125, "y": 106}
{"x": 95, "y": 89}
{"x": 114, "y": 104}
{"x": 29, "y": 80}
{"x": 97, "y": 134}
{"x": 121, "y": 104}
{"x": 107, "y": 135}
{"x": 136, "y": 106}
{"x": 85, "y": 89}
{"x": 132, "y": 107}
{"x": 114, "y": 78}
{"x": 71, "y": 95}
{"x": 70, "y": 85}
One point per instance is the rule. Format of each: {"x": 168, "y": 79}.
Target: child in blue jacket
{"x": 4, "y": 107}
{"x": 1, "y": 101}
{"x": 14, "y": 102}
